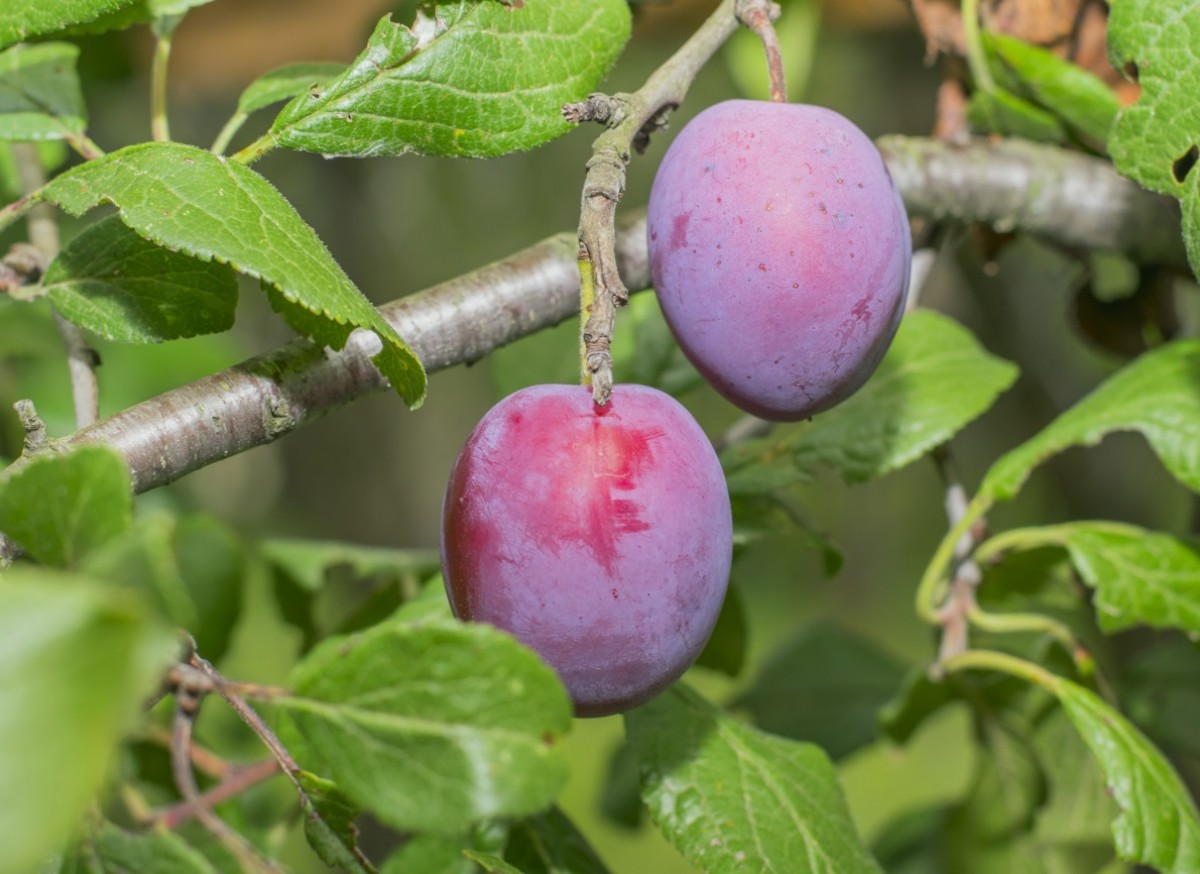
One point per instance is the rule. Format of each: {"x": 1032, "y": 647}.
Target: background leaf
{"x": 21, "y": 19}
{"x": 934, "y": 379}
{"x": 479, "y": 79}
{"x": 727, "y": 795}
{"x": 191, "y": 567}
{"x": 433, "y": 726}
{"x": 286, "y": 82}
{"x": 40, "y": 97}
{"x": 114, "y": 283}
{"x": 189, "y": 199}
{"x": 112, "y": 850}
{"x": 329, "y": 824}
{"x": 549, "y": 843}
{"x": 1158, "y": 395}
{"x": 1156, "y": 141}
{"x": 60, "y": 507}
{"x": 77, "y": 661}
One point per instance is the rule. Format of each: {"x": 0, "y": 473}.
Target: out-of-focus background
{"x": 374, "y": 473}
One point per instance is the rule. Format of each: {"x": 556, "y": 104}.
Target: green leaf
{"x": 192, "y": 568}
{"x": 1002, "y": 112}
{"x": 827, "y": 686}
{"x": 286, "y": 82}
{"x": 21, "y": 19}
{"x": 479, "y": 78}
{"x": 325, "y": 588}
{"x": 1141, "y": 577}
{"x": 550, "y": 844}
{"x": 727, "y": 795}
{"x": 112, "y": 850}
{"x": 934, "y": 380}
{"x": 329, "y": 824}
{"x": 114, "y": 283}
{"x": 1071, "y": 93}
{"x": 77, "y": 661}
{"x": 1156, "y": 140}
{"x": 60, "y": 507}
{"x": 433, "y": 726}
{"x": 429, "y": 853}
{"x": 1158, "y": 824}
{"x": 40, "y": 97}
{"x": 190, "y": 200}
{"x": 1158, "y": 395}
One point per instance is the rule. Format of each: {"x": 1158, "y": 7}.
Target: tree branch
{"x": 1061, "y": 196}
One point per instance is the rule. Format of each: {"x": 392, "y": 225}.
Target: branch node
{"x": 603, "y": 108}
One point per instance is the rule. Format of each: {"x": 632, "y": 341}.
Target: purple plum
{"x": 780, "y": 252}
{"x": 601, "y": 537}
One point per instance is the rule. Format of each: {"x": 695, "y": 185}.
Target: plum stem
{"x": 630, "y": 119}
{"x": 758, "y": 16}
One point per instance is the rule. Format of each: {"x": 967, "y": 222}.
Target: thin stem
{"x": 84, "y": 146}
{"x": 976, "y": 55}
{"x": 1034, "y": 623}
{"x": 159, "y": 128}
{"x": 989, "y": 660}
{"x": 221, "y": 143}
{"x": 757, "y": 16}
{"x": 255, "y": 150}
{"x": 631, "y": 118}
{"x": 1035, "y": 538}
{"x": 82, "y": 359}
{"x": 16, "y": 210}
{"x": 187, "y": 704}
{"x": 236, "y": 781}
{"x": 931, "y": 587}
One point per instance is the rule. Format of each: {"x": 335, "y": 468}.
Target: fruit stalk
{"x": 757, "y": 17}
{"x": 630, "y": 119}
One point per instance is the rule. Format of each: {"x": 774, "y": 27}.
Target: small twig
{"x": 82, "y": 359}
{"x": 203, "y": 759}
{"x": 757, "y": 15}
{"x": 630, "y": 119}
{"x": 32, "y": 424}
{"x": 236, "y": 781}
{"x": 190, "y": 688}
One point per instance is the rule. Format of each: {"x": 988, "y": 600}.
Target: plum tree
{"x": 780, "y": 252}
{"x": 599, "y": 536}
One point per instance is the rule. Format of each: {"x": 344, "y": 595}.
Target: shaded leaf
{"x": 77, "y": 661}
{"x": 726, "y": 648}
{"x": 726, "y": 794}
{"x": 477, "y": 79}
{"x": 934, "y": 380}
{"x": 1157, "y": 139}
{"x": 433, "y": 726}
{"x": 114, "y": 283}
{"x": 429, "y": 853}
{"x": 325, "y": 588}
{"x": 40, "y": 97}
{"x": 492, "y": 863}
{"x": 1157, "y": 395}
{"x": 188, "y": 199}
{"x": 60, "y": 507}
{"x": 21, "y": 19}
{"x": 1160, "y": 690}
{"x": 551, "y": 844}
{"x": 826, "y": 686}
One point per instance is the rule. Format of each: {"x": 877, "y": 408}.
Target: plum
{"x": 780, "y": 252}
{"x": 601, "y": 537}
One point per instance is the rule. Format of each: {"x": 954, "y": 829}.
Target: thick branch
{"x": 1064, "y": 197}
